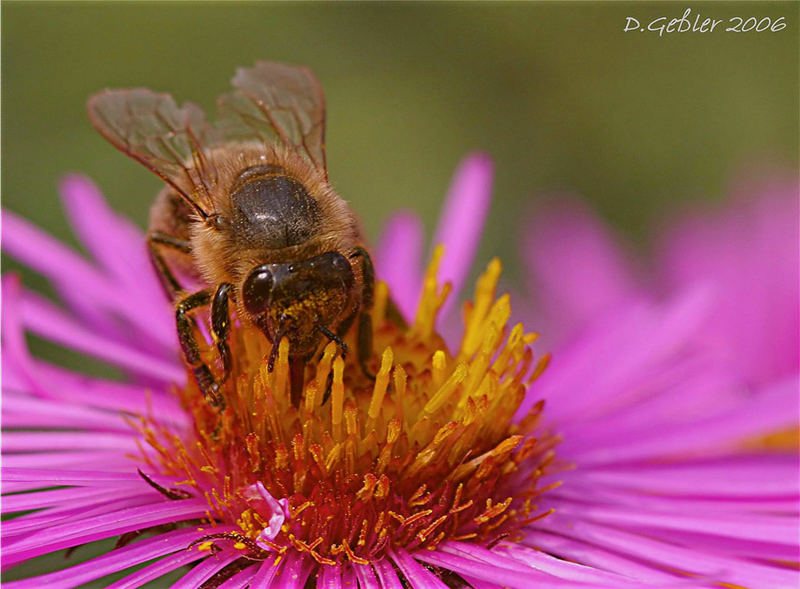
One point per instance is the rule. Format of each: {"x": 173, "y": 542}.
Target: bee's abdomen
{"x": 272, "y": 210}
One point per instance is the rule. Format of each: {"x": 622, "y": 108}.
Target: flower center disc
{"x": 424, "y": 453}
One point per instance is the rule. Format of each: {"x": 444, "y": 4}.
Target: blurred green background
{"x": 557, "y": 94}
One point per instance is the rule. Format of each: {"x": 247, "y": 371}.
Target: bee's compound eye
{"x": 257, "y": 290}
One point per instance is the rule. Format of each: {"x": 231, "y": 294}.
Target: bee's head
{"x": 295, "y": 299}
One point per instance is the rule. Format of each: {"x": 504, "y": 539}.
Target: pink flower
{"x": 640, "y": 447}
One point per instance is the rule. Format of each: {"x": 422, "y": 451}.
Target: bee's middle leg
{"x": 364, "y": 317}
{"x": 168, "y": 280}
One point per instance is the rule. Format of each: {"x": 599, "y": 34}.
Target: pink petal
{"x": 462, "y": 219}
{"x": 112, "y": 562}
{"x": 415, "y": 573}
{"x": 62, "y": 536}
{"x": 158, "y": 569}
{"x": 212, "y": 564}
{"x": 575, "y": 267}
{"x": 398, "y": 261}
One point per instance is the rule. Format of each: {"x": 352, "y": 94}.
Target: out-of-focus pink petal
{"x": 748, "y": 253}
{"x": 576, "y": 270}
{"x": 617, "y": 351}
{"x": 45, "y": 319}
{"x": 116, "y": 243}
{"x": 773, "y": 409}
{"x": 462, "y": 219}
{"x": 663, "y": 554}
{"x": 42, "y": 441}
{"x": 598, "y": 556}
{"x": 398, "y": 260}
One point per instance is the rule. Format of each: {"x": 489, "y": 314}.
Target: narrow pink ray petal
{"x": 23, "y": 411}
{"x": 68, "y": 270}
{"x": 112, "y": 562}
{"x": 576, "y": 492}
{"x": 95, "y": 528}
{"x": 765, "y": 528}
{"x": 540, "y": 561}
{"x": 158, "y": 569}
{"x": 48, "y": 256}
{"x": 736, "y": 547}
{"x": 366, "y": 576}
{"x": 680, "y": 393}
{"x": 113, "y": 241}
{"x": 242, "y": 579}
{"x": 15, "y": 355}
{"x": 101, "y": 460}
{"x": 480, "y": 583}
{"x": 398, "y": 261}
{"x": 43, "y": 441}
{"x": 329, "y": 577}
{"x": 772, "y": 410}
{"x": 44, "y": 319}
{"x": 88, "y": 478}
{"x": 267, "y": 572}
{"x": 65, "y": 515}
{"x": 582, "y": 550}
{"x": 507, "y": 577}
{"x": 387, "y": 575}
{"x": 760, "y": 475}
{"x": 212, "y": 564}
{"x": 630, "y": 342}
{"x": 349, "y": 577}
{"x": 296, "y": 571}
{"x": 63, "y": 497}
{"x": 415, "y": 573}
{"x": 461, "y": 221}
{"x": 116, "y": 396}
{"x": 700, "y": 562}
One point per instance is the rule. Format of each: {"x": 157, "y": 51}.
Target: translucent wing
{"x": 278, "y": 104}
{"x": 169, "y": 141}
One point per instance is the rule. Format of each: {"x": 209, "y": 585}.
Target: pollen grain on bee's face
{"x": 426, "y": 452}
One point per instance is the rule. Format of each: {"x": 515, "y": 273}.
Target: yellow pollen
{"x": 426, "y": 450}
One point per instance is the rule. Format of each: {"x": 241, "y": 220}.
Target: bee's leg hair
{"x": 168, "y": 281}
{"x": 191, "y": 352}
{"x": 334, "y": 338}
{"x": 221, "y": 326}
{"x": 365, "y": 319}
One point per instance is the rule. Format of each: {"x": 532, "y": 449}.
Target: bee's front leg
{"x": 220, "y": 325}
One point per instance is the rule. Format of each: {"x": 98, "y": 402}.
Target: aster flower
{"x": 622, "y": 464}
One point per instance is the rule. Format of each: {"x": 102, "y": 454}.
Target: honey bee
{"x": 248, "y": 212}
